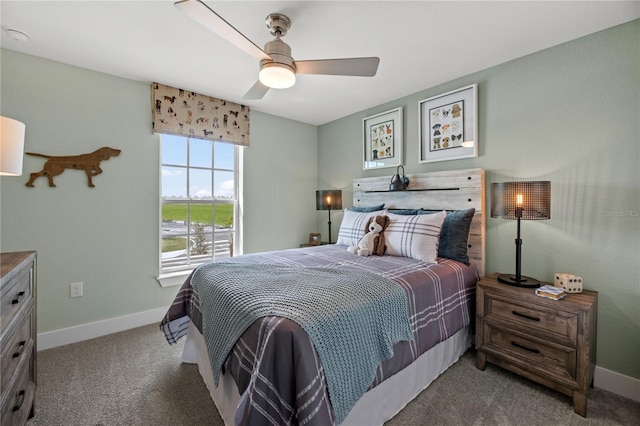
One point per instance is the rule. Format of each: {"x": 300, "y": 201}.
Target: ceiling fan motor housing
{"x": 280, "y": 53}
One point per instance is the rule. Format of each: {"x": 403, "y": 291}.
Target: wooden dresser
{"x": 552, "y": 342}
{"x": 17, "y": 336}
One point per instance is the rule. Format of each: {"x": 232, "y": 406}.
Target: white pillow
{"x": 352, "y": 226}
{"x": 414, "y": 236}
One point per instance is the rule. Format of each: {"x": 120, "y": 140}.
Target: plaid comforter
{"x": 274, "y": 363}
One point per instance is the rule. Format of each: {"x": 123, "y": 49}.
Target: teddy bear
{"x": 373, "y": 242}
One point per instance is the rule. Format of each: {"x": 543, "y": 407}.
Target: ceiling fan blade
{"x": 205, "y": 16}
{"x": 362, "y": 67}
{"x": 256, "y": 92}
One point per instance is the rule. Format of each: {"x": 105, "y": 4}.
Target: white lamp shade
{"x": 11, "y": 146}
{"x": 277, "y": 76}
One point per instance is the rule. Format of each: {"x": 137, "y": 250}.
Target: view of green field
{"x": 200, "y": 213}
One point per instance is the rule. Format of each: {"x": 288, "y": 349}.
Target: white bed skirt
{"x": 374, "y": 408}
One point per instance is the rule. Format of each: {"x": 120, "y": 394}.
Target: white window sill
{"x": 173, "y": 279}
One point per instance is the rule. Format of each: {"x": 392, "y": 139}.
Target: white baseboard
{"x": 617, "y": 383}
{"x": 65, "y": 336}
{"x": 626, "y": 386}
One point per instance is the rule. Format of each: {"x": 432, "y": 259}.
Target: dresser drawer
{"x": 15, "y": 294}
{"x": 532, "y": 353}
{"x": 563, "y": 325}
{"x": 16, "y": 407}
{"x": 16, "y": 349}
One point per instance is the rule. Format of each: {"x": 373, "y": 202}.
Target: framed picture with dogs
{"x": 382, "y": 140}
{"x": 449, "y": 125}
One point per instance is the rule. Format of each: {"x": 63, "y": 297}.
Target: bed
{"x": 278, "y": 372}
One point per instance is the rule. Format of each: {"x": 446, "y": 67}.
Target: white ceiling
{"x": 420, "y": 43}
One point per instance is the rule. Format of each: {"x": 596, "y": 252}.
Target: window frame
{"x": 175, "y": 276}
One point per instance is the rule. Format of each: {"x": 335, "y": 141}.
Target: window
{"x": 199, "y": 202}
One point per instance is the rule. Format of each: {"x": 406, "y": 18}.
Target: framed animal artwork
{"x": 383, "y": 139}
{"x": 449, "y": 126}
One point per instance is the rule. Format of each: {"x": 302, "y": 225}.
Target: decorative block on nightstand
{"x": 569, "y": 282}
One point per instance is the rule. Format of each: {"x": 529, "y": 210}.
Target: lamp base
{"x": 526, "y": 282}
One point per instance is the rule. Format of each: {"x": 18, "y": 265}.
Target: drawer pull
{"x": 518, "y": 345}
{"x": 525, "y": 316}
{"x": 21, "y": 347}
{"x": 20, "y": 401}
{"x": 18, "y": 298}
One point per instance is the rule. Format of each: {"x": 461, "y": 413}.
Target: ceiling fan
{"x": 278, "y": 69}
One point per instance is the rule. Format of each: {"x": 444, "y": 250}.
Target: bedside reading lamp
{"x": 521, "y": 200}
{"x": 329, "y": 199}
{"x": 11, "y": 146}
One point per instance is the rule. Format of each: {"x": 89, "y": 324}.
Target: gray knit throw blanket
{"x": 353, "y": 318}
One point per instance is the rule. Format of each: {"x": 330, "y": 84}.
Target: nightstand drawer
{"x": 546, "y": 357}
{"x": 561, "y": 324}
{"x": 14, "y": 295}
{"x": 16, "y": 348}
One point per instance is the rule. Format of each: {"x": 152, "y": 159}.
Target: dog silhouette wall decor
{"x": 90, "y": 163}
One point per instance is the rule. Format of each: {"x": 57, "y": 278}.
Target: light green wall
{"x": 107, "y": 236}
{"x": 570, "y": 114}
{"x": 281, "y": 175}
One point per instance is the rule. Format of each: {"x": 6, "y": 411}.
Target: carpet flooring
{"x": 136, "y": 378}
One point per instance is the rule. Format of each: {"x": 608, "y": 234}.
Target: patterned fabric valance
{"x": 182, "y": 113}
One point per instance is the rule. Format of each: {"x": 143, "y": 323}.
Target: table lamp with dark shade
{"x": 329, "y": 199}
{"x": 521, "y": 200}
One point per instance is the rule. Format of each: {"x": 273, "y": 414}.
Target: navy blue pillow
{"x": 366, "y": 209}
{"x": 409, "y": 212}
{"x": 454, "y": 234}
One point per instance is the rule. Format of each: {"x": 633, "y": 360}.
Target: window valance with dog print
{"x": 183, "y": 113}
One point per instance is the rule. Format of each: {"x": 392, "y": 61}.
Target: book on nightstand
{"x": 551, "y": 292}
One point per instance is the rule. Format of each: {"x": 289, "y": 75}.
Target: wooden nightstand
{"x": 552, "y": 342}
{"x": 309, "y": 245}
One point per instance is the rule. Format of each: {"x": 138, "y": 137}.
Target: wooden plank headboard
{"x": 446, "y": 190}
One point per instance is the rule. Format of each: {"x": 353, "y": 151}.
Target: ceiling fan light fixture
{"x": 277, "y": 76}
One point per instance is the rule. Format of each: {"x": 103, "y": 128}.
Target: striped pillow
{"x": 414, "y": 236}
{"x": 352, "y": 226}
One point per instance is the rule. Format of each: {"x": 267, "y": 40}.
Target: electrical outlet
{"x": 75, "y": 290}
